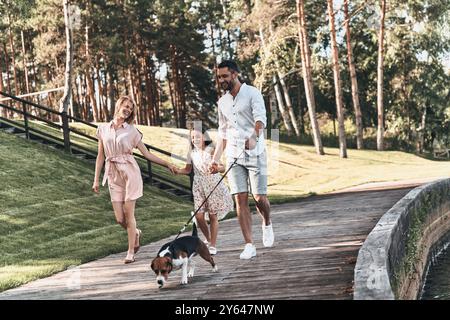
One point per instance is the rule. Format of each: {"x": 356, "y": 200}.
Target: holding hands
{"x": 213, "y": 167}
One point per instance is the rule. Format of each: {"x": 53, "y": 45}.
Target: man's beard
{"x": 227, "y": 85}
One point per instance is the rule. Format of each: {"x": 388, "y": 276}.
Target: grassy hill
{"x": 50, "y": 219}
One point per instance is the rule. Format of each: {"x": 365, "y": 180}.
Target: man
{"x": 242, "y": 119}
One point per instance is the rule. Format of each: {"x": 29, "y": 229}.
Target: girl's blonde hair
{"x": 119, "y": 102}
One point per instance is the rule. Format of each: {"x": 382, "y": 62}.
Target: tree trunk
{"x": 110, "y": 92}
{"x": 159, "y": 90}
{"x": 276, "y": 86}
{"x": 4, "y": 110}
{"x": 337, "y": 82}
{"x": 287, "y": 98}
{"x": 216, "y": 79}
{"x": 13, "y": 61}
{"x": 173, "y": 99}
{"x": 8, "y": 79}
{"x": 227, "y": 20}
{"x": 149, "y": 96}
{"x": 104, "y": 110}
{"x": 289, "y": 107}
{"x": 142, "y": 93}
{"x": 77, "y": 97}
{"x": 421, "y": 138}
{"x": 35, "y": 87}
{"x": 137, "y": 86}
{"x": 82, "y": 99}
{"x": 51, "y": 94}
{"x": 380, "y": 107}
{"x": 354, "y": 81}
{"x": 25, "y": 67}
{"x": 129, "y": 72}
{"x": 65, "y": 100}
{"x": 180, "y": 104}
{"x": 300, "y": 111}
{"x": 89, "y": 82}
{"x": 284, "y": 113}
{"x": 307, "y": 78}
{"x": 180, "y": 85}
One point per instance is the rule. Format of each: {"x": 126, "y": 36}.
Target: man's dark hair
{"x": 230, "y": 64}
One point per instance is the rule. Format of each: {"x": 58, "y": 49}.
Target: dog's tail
{"x": 194, "y": 226}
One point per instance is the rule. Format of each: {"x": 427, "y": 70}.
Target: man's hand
{"x": 213, "y": 167}
{"x": 250, "y": 143}
{"x": 95, "y": 187}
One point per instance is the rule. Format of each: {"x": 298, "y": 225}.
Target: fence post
{"x": 25, "y": 120}
{"x": 66, "y": 131}
{"x": 150, "y": 175}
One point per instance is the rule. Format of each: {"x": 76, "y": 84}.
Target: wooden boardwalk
{"x": 316, "y": 245}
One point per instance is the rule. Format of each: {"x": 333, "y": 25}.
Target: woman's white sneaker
{"x": 268, "y": 236}
{"x": 249, "y": 252}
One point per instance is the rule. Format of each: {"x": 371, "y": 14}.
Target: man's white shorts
{"x": 248, "y": 168}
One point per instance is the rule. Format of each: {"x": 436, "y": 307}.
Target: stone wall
{"x": 392, "y": 260}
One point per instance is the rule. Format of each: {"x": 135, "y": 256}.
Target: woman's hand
{"x": 95, "y": 187}
{"x": 173, "y": 169}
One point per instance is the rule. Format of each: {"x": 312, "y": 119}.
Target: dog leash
{"x": 204, "y": 201}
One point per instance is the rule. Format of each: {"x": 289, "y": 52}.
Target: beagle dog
{"x": 178, "y": 254}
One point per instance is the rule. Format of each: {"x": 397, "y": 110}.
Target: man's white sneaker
{"x": 249, "y": 251}
{"x": 268, "y": 236}
{"x": 212, "y": 250}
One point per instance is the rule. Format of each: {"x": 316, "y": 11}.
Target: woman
{"x": 220, "y": 202}
{"x": 116, "y": 141}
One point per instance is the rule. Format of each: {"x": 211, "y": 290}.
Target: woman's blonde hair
{"x": 119, "y": 102}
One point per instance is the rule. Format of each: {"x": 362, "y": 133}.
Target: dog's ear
{"x": 153, "y": 265}
{"x": 169, "y": 264}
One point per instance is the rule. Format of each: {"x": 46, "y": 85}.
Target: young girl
{"x": 220, "y": 202}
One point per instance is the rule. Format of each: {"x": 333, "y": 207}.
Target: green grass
{"x": 50, "y": 219}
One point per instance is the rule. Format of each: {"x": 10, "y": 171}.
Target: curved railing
{"x": 392, "y": 261}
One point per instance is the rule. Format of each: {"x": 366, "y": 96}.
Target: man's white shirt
{"x": 237, "y": 119}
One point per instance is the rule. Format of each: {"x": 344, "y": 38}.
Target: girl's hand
{"x": 95, "y": 187}
{"x": 213, "y": 167}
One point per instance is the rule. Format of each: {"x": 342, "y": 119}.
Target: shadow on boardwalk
{"x": 316, "y": 245}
